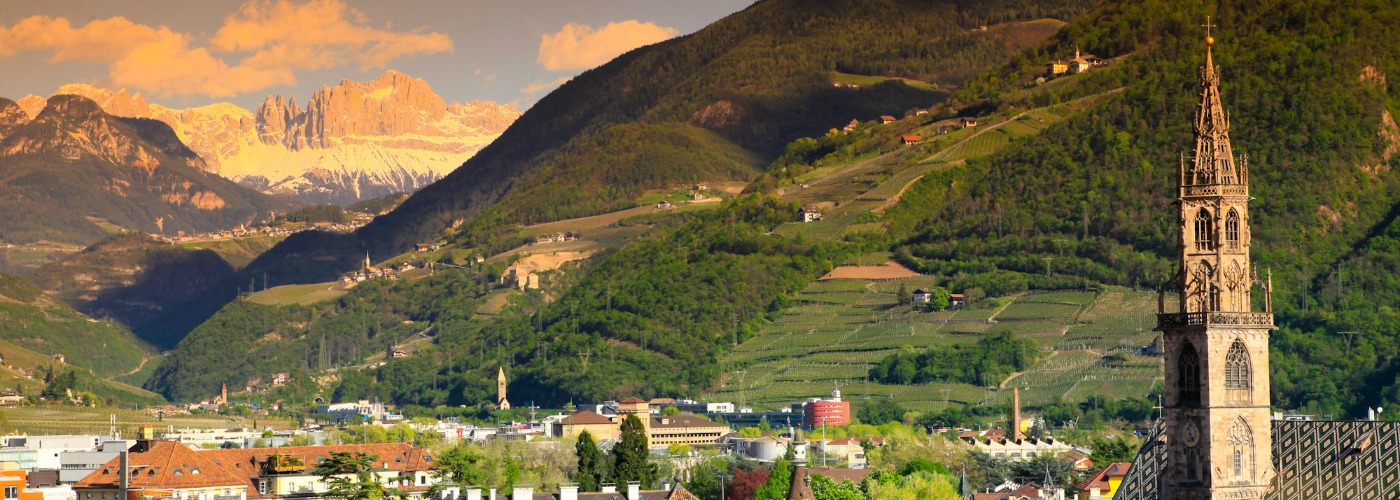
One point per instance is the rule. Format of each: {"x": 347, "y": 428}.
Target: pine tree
{"x": 590, "y": 461}
{"x": 630, "y": 455}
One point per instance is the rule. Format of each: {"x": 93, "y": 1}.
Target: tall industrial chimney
{"x": 1016, "y": 413}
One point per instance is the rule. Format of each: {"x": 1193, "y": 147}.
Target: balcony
{"x": 1167, "y": 320}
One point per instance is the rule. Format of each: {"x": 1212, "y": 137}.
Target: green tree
{"x": 630, "y": 456}
{"x": 750, "y": 432}
{"x": 670, "y": 411}
{"x": 824, "y": 488}
{"x": 779, "y": 482}
{"x": 350, "y": 475}
{"x": 903, "y": 295}
{"x": 590, "y": 462}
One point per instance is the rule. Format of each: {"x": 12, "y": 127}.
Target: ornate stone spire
{"x": 1214, "y": 161}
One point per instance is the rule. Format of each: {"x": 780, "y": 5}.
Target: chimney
{"x": 609, "y": 488}
{"x": 634, "y": 490}
{"x": 1016, "y": 413}
{"x": 568, "y": 491}
{"x": 522, "y": 492}
{"x": 473, "y": 493}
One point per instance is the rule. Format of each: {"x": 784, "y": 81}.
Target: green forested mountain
{"x": 1083, "y": 200}
{"x": 1305, "y": 86}
{"x": 73, "y": 169}
{"x": 133, "y": 279}
{"x": 710, "y": 106}
{"x": 36, "y": 326}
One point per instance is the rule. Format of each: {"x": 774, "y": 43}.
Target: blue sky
{"x": 183, "y": 54}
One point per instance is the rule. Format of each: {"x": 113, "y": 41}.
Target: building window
{"x": 1232, "y": 230}
{"x": 1239, "y": 464}
{"x": 1237, "y": 366}
{"x": 1205, "y": 230}
{"x": 11, "y": 492}
{"x": 1188, "y": 375}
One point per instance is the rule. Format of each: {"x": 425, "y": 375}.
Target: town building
{"x": 848, "y": 450}
{"x": 14, "y": 483}
{"x": 831, "y": 412}
{"x": 910, "y": 140}
{"x": 76, "y": 465}
{"x": 810, "y": 215}
{"x": 359, "y": 410}
{"x": 662, "y": 431}
{"x": 1105, "y": 484}
{"x": 886, "y": 119}
{"x": 161, "y": 469}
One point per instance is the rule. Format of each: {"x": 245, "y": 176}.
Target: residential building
{"x": 847, "y": 450}
{"x": 999, "y": 445}
{"x": 921, "y": 296}
{"x": 76, "y": 465}
{"x": 286, "y": 471}
{"x": 910, "y": 140}
{"x": 162, "y": 469}
{"x": 15, "y": 483}
{"x": 1104, "y": 485}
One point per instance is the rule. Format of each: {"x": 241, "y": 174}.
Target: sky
{"x": 193, "y": 53}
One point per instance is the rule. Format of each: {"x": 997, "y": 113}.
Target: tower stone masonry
{"x": 1217, "y": 418}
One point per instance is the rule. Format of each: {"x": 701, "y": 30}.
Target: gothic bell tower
{"x": 1217, "y": 350}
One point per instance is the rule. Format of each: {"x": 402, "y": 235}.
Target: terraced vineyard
{"x": 840, "y": 329}
{"x": 864, "y": 185}
{"x": 45, "y": 419}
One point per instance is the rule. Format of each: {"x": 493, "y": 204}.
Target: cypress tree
{"x": 630, "y": 455}
{"x": 590, "y": 460}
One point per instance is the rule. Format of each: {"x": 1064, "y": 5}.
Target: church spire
{"x": 1216, "y": 404}
{"x": 1214, "y": 160}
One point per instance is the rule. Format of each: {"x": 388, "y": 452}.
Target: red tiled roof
{"x": 164, "y": 465}
{"x": 246, "y": 463}
{"x": 1100, "y": 480}
{"x": 629, "y": 401}
{"x": 680, "y": 421}
{"x": 585, "y": 417}
{"x": 838, "y": 475}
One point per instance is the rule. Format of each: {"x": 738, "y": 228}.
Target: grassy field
{"x": 299, "y": 294}
{"x": 838, "y": 330}
{"x": 44, "y": 419}
{"x": 866, "y": 81}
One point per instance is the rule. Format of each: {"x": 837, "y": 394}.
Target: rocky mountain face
{"x": 75, "y": 167}
{"x": 353, "y": 141}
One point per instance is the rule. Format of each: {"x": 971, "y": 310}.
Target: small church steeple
{"x": 501, "y": 401}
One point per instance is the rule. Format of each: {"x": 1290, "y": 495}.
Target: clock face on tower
{"x": 1190, "y": 433}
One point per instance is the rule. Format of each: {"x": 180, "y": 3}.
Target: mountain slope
{"x": 1309, "y": 104}
{"x": 74, "y": 163}
{"x": 644, "y": 120}
{"x": 758, "y": 79}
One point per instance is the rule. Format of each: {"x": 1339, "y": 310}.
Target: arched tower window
{"x": 1241, "y": 442}
{"x": 1205, "y": 230}
{"x": 1232, "y": 230}
{"x": 1188, "y": 374}
{"x": 1237, "y": 366}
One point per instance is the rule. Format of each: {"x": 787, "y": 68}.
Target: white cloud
{"x": 262, "y": 44}
{"x": 579, "y": 46}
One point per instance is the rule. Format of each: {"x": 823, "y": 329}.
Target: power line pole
{"x": 584, "y": 356}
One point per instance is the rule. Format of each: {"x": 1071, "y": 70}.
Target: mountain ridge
{"x": 354, "y": 141}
